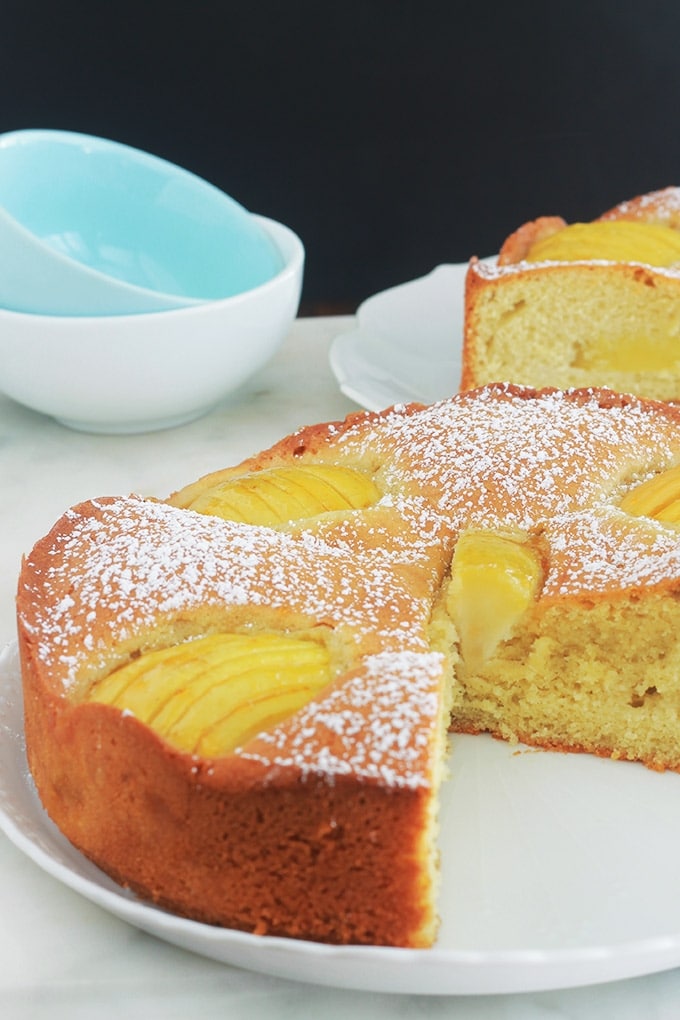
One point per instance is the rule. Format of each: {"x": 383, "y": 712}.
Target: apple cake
{"x": 237, "y": 699}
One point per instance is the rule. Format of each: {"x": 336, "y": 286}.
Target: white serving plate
{"x": 557, "y": 871}
{"x": 407, "y": 344}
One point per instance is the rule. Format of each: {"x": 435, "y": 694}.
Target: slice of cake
{"x": 236, "y": 700}
{"x": 582, "y": 304}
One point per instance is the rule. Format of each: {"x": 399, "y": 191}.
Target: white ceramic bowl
{"x": 90, "y": 226}
{"x": 137, "y": 373}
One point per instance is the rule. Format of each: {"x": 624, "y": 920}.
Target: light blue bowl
{"x": 93, "y": 227}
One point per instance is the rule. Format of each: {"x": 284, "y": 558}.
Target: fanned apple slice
{"x": 617, "y": 240}
{"x": 495, "y": 576}
{"x": 209, "y": 695}
{"x": 658, "y": 497}
{"x": 279, "y": 495}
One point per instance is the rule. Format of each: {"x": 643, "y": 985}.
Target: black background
{"x": 391, "y": 136}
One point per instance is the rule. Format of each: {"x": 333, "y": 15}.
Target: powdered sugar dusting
{"x": 137, "y": 561}
{"x": 492, "y": 271}
{"x": 657, "y": 206}
{"x": 590, "y": 549}
{"x": 555, "y": 463}
{"x": 534, "y": 457}
{"x": 378, "y": 725}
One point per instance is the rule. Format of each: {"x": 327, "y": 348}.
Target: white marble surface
{"x": 62, "y": 957}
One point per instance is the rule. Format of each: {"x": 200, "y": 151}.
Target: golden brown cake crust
{"x": 205, "y": 838}
{"x": 517, "y": 245}
{"x": 264, "y": 838}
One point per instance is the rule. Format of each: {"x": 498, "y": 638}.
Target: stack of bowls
{"x": 133, "y": 294}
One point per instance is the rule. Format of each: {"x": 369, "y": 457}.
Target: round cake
{"x": 236, "y": 699}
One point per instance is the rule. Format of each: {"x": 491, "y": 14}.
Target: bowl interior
{"x": 132, "y": 216}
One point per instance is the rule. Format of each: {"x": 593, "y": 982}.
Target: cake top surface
{"x": 501, "y": 457}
